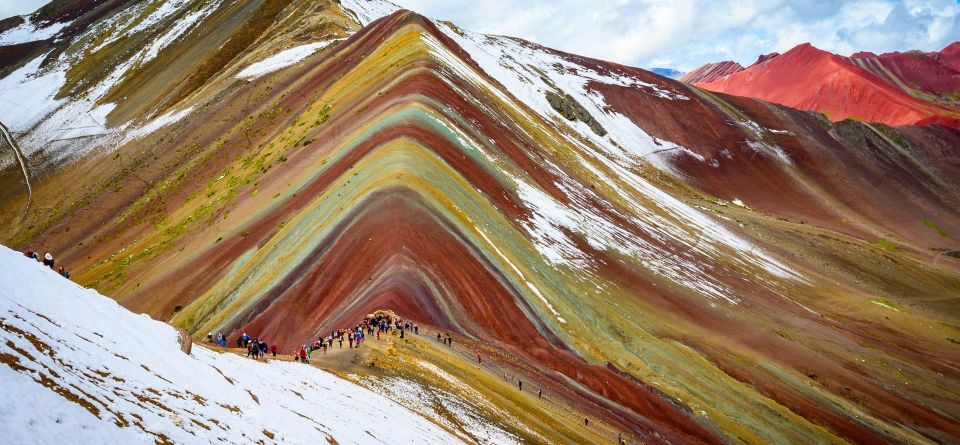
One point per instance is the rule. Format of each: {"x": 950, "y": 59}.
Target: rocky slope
{"x": 685, "y": 266}
{"x": 711, "y": 72}
{"x": 895, "y": 89}
{"x": 97, "y": 373}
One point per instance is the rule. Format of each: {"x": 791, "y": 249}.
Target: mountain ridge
{"x": 417, "y": 166}
{"x": 894, "y": 88}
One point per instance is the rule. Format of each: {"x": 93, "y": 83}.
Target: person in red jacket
{"x": 273, "y": 350}
{"x": 303, "y": 353}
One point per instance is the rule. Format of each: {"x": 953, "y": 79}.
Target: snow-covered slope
{"x": 93, "y": 372}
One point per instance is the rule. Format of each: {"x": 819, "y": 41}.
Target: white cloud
{"x": 684, "y": 34}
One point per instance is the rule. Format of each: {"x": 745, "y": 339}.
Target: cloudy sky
{"x": 684, "y": 34}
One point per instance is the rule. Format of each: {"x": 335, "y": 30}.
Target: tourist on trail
{"x": 540, "y": 393}
{"x": 324, "y": 348}
{"x": 449, "y": 340}
{"x": 273, "y": 349}
{"x": 401, "y": 333}
{"x": 263, "y": 348}
{"x": 303, "y": 353}
{"x": 416, "y": 329}
{"x": 48, "y": 260}
{"x": 479, "y": 360}
{"x": 209, "y": 337}
{"x": 520, "y": 384}
{"x": 438, "y": 336}
{"x": 586, "y": 421}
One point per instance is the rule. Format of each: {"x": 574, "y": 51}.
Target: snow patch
{"x": 29, "y": 32}
{"x": 167, "y": 118}
{"x": 435, "y": 403}
{"x": 283, "y": 59}
{"x": 128, "y": 381}
{"x": 367, "y": 11}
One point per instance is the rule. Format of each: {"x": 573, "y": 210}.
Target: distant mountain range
{"x": 898, "y": 88}
{"x": 668, "y": 72}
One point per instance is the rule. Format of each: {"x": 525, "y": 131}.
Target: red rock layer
{"x": 913, "y": 70}
{"x": 811, "y": 79}
{"x": 712, "y": 71}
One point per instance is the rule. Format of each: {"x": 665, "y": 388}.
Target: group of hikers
{"x": 375, "y": 324}
{"x": 256, "y": 347}
{"x": 47, "y": 260}
{"x": 378, "y": 323}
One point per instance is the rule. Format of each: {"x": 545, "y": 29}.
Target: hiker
{"x": 449, "y": 340}
{"x": 416, "y": 329}
{"x": 540, "y": 393}
{"x": 586, "y": 421}
{"x": 263, "y": 348}
{"x": 438, "y": 336}
{"x": 273, "y": 349}
{"x": 48, "y": 260}
{"x": 479, "y": 360}
{"x": 324, "y": 348}
{"x": 520, "y": 384}
{"x": 303, "y": 353}
{"x": 619, "y": 438}
{"x": 209, "y": 337}
{"x": 401, "y": 333}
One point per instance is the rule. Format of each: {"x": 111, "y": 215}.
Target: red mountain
{"x": 712, "y": 71}
{"x": 895, "y": 88}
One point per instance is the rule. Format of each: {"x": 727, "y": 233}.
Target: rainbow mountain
{"x": 681, "y": 266}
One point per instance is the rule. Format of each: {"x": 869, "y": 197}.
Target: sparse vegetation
{"x": 933, "y": 226}
{"x": 886, "y": 245}
{"x": 886, "y": 303}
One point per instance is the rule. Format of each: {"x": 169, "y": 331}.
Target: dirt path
{"x": 550, "y": 417}
{"x": 22, "y": 161}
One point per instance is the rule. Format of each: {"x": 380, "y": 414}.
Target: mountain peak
{"x": 712, "y": 71}
{"x": 596, "y": 244}
{"x": 894, "y": 88}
